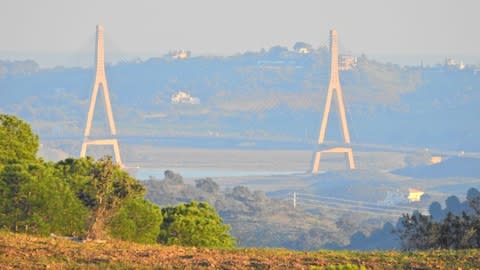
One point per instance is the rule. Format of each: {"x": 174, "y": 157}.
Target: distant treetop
{"x": 18, "y": 144}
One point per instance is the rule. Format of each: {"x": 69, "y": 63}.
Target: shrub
{"x": 137, "y": 221}
{"x": 194, "y": 224}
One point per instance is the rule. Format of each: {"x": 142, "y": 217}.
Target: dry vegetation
{"x": 19, "y": 251}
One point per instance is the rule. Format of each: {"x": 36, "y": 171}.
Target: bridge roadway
{"x": 239, "y": 142}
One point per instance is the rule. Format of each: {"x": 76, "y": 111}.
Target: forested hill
{"x": 276, "y": 94}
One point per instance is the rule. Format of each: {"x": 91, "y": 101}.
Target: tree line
{"x": 456, "y": 227}
{"x": 91, "y": 199}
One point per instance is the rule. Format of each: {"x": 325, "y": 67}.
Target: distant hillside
{"x": 450, "y": 168}
{"x": 361, "y": 185}
{"x": 14, "y": 68}
{"x": 256, "y": 219}
{"x": 276, "y": 94}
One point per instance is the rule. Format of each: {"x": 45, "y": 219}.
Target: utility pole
{"x": 294, "y": 200}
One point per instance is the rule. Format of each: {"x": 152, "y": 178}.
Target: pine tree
{"x": 194, "y": 224}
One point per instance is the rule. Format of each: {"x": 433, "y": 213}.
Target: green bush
{"x": 194, "y": 224}
{"x": 346, "y": 267}
{"x": 137, "y": 221}
{"x": 35, "y": 201}
{"x": 18, "y": 144}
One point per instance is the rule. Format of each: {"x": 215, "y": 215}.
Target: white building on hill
{"x": 182, "y": 97}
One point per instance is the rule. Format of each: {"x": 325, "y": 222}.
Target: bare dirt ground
{"x": 19, "y": 251}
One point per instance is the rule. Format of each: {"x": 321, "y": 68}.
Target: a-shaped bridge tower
{"x": 333, "y": 88}
{"x": 100, "y": 83}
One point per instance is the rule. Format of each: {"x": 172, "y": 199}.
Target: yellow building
{"x": 414, "y": 195}
{"x": 304, "y": 50}
{"x": 436, "y": 159}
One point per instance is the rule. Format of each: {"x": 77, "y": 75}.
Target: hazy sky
{"x": 40, "y": 28}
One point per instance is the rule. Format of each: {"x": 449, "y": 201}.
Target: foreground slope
{"x": 19, "y": 251}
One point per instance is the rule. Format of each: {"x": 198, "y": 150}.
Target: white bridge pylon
{"x": 100, "y": 81}
{"x": 334, "y": 87}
